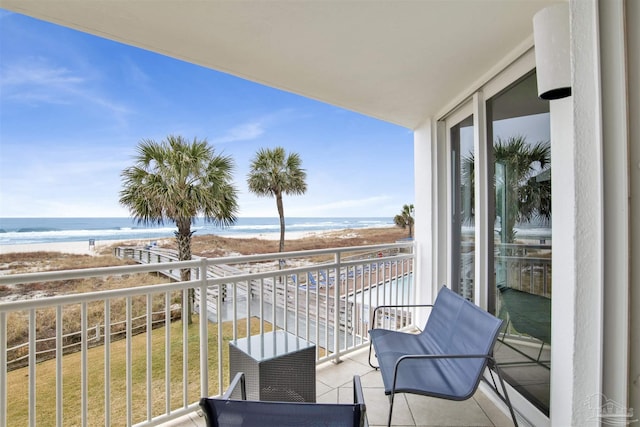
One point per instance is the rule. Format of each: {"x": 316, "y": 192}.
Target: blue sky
{"x": 73, "y": 107}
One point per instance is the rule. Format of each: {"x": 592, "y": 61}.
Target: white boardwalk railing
{"x": 146, "y": 368}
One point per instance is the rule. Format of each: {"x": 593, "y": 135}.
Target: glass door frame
{"x": 475, "y": 107}
{"x": 453, "y": 191}
{"x": 473, "y": 101}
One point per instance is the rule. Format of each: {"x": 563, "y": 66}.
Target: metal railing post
{"x": 3, "y": 369}
{"x": 336, "y": 321}
{"x": 59, "y": 373}
{"x": 32, "y": 367}
{"x": 204, "y": 331}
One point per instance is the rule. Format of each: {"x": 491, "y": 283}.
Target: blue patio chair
{"x": 326, "y": 279}
{"x": 312, "y": 280}
{"x": 228, "y": 412}
{"x": 447, "y": 359}
{"x": 529, "y": 314}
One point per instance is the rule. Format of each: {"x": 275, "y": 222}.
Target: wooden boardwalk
{"x": 308, "y": 303}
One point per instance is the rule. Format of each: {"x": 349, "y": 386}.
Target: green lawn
{"x": 18, "y": 396}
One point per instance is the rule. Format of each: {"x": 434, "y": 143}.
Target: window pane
{"x": 463, "y": 159}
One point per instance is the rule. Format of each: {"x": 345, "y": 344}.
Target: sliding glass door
{"x": 499, "y": 191}
{"x": 520, "y": 217}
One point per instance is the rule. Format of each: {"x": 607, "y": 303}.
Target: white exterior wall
{"x": 593, "y": 334}
{"x": 564, "y": 274}
{"x": 577, "y": 232}
{"x": 615, "y": 124}
{"x": 596, "y": 180}
{"x": 633, "y": 72}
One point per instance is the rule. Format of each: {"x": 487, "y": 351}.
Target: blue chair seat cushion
{"x": 455, "y": 327}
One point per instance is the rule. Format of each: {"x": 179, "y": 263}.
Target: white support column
{"x": 632, "y": 12}
{"x": 577, "y": 177}
{"x": 564, "y": 250}
{"x": 425, "y": 206}
{"x": 615, "y": 125}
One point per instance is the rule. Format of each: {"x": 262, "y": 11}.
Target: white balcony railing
{"x": 133, "y": 362}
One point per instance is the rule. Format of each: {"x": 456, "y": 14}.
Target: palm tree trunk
{"x": 183, "y": 238}
{"x": 281, "y": 262}
{"x": 281, "y": 215}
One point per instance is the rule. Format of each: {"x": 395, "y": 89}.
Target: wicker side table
{"x": 278, "y": 366}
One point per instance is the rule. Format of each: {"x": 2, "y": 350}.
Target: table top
{"x": 271, "y": 345}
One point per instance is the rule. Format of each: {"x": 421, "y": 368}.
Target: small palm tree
{"x": 175, "y": 180}
{"x": 405, "y": 219}
{"x": 274, "y": 173}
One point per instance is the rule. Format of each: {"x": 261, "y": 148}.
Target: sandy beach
{"x": 83, "y": 247}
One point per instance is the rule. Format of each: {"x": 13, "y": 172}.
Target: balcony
{"x": 333, "y": 384}
{"x": 133, "y": 361}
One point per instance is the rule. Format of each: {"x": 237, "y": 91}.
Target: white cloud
{"x": 243, "y": 132}
{"x": 37, "y": 72}
{"x": 348, "y": 204}
{"x": 304, "y": 206}
{"x": 36, "y": 81}
{"x": 255, "y": 128}
{"x": 135, "y": 73}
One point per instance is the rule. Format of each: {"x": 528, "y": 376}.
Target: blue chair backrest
{"x": 441, "y": 321}
{"x": 457, "y": 326}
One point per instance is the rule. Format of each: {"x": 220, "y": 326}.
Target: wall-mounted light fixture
{"x": 551, "y": 38}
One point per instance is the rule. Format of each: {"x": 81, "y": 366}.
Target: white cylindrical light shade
{"x": 551, "y": 37}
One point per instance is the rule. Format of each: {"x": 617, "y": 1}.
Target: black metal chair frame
{"x": 210, "y": 406}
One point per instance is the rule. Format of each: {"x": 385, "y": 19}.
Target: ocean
{"x": 14, "y": 231}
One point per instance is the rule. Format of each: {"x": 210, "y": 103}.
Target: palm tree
{"x": 521, "y": 189}
{"x": 521, "y": 194}
{"x": 405, "y": 219}
{"x": 175, "y": 180}
{"x": 274, "y": 173}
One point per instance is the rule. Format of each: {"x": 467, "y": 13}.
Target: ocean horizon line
{"x": 26, "y": 230}
{"x": 199, "y": 217}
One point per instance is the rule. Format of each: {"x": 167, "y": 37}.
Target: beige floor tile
{"x": 429, "y": 411}
{"x": 497, "y": 417}
{"x": 336, "y": 375}
{"x": 330, "y": 396}
{"x": 322, "y": 388}
{"x": 378, "y": 408}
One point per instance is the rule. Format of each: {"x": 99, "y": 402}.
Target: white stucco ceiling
{"x": 396, "y": 60}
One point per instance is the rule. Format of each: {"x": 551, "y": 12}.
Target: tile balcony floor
{"x": 334, "y": 384}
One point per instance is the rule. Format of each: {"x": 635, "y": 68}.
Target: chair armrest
{"x": 358, "y": 398}
{"x": 238, "y": 379}
{"x": 375, "y": 310}
{"x": 444, "y": 356}
{"x": 435, "y": 356}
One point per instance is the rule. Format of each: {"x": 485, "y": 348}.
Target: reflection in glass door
{"x": 462, "y": 196}
{"x": 519, "y": 138}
